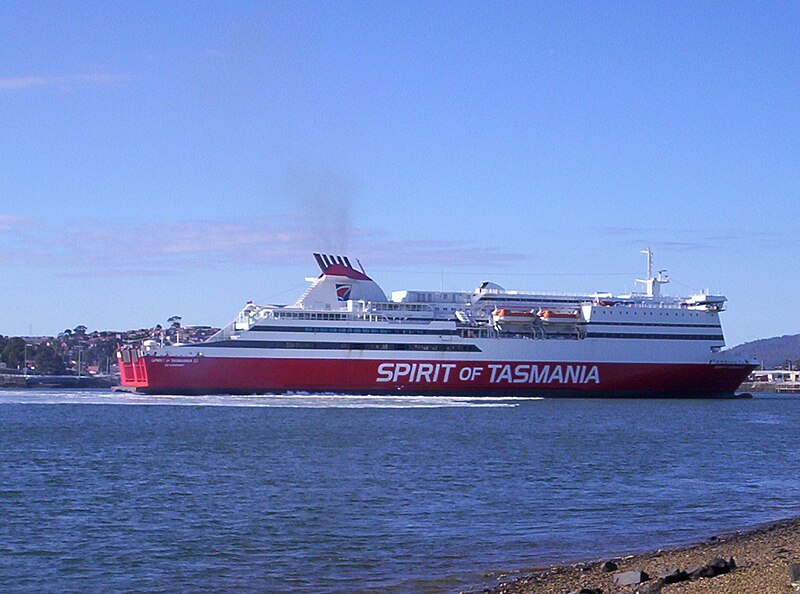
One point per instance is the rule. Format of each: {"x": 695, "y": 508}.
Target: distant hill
{"x": 772, "y": 352}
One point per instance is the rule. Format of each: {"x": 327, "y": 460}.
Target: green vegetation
{"x": 76, "y": 351}
{"x": 47, "y": 362}
{"x": 12, "y": 352}
{"x": 61, "y": 354}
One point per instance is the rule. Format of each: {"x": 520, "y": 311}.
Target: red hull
{"x": 207, "y": 375}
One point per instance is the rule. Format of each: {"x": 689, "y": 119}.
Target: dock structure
{"x": 58, "y": 381}
{"x": 774, "y": 380}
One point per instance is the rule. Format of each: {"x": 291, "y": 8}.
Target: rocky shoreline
{"x": 764, "y": 560}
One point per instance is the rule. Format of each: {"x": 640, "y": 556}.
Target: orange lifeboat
{"x": 550, "y": 315}
{"x": 513, "y": 320}
{"x": 606, "y": 302}
{"x": 511, "y": 315}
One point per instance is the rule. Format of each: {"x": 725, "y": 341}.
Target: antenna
{"x": 652, "y": 284}
{"x": 649, "y": 253}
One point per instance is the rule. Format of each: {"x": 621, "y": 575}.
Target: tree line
{"x": 72, "y": 351}
{"x": 76, "y": 349}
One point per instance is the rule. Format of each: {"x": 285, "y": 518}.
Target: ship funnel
{"x": 338, "y": 284}
{"x": 328, "y": 261}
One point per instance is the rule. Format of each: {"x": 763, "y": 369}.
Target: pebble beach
{"x": 761, "y": 565}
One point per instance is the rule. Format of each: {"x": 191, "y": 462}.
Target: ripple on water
{"x": 268, "y": 400}
{"x": 322, "y": 493}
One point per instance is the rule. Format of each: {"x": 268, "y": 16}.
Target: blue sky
{"x": 182, "y": 158}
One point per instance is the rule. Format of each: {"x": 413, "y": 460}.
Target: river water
{"x": 316, "y": 493}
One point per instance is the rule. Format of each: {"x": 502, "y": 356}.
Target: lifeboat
{"x": 511, "y": 320}
{"x": 605, "y": 302}
{"x": 550, "y": 315}
{"x": 513, "y": 316}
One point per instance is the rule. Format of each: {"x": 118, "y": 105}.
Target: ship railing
{"x": 224, "y": 333}
{"x": 534, "y": 334}
{"x": 666, "y": 304}
{"x": 514, "y": 293}
{"x": 584, "y": 299}
{"x": 368, "y": 314}
{"x": 322, "y": 316}
{"x": 243, "y": 322}
{"x": 395, "y": 307}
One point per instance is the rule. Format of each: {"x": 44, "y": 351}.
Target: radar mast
{"x": 652, "y": 283}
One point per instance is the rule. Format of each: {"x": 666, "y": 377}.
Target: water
{"x": 103, "y": 492}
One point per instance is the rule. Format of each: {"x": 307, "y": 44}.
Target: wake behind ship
{"x": 344, "y": 335}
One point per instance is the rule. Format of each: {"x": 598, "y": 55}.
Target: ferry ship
{"x": 344, "y": 335}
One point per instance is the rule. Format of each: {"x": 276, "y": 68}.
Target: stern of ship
{"x": 132, "y": 368}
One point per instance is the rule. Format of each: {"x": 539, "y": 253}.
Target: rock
{"x": 794, "y": 574}
{"x": 673, "y": 576}
{"x": 588, "y": 591}
{"x": 630, "y": 578}
{"x": 713, "y": 568}
{"x": 700, "y": 571}
{"x": 653, "y": 587}
{"x": 608, "y": 567}
{"x": 720, "y": 566}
